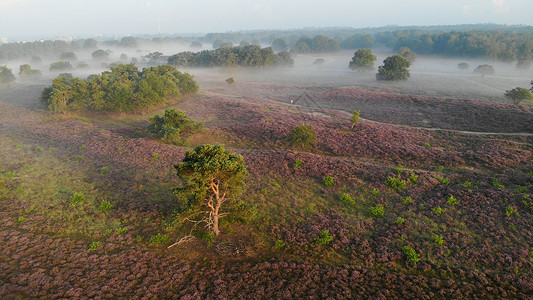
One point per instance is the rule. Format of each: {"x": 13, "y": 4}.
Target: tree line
{"x": 246, "y": 56}
{"x": 123, "y": 89}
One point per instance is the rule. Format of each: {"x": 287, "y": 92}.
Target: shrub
{"x": 94, "y": 246}
{"x": 159, "y": 239}
{"x": 411, "y": 254}
{"x": 442, "y": 180}
{"x": 302, "y": 136}
{"x": 297, "y": 164}
{"x": 511, "y": 211}
{"x": 77, "y": 198}
{"x": 452, "y": 200}
{"x": 61, "y": 66}
{"x": 407, "y": 200}
{"x": 279, "y": 244}
{"x": 396, "y": 182}
{"x": 104, "y": 170}
{"x": 399, "y": 220}
{"x": 324, "y": 238}
{"x": 497, "y": 183}
{"x": 438, "y": 210}
{"x": 6, "y": 75}
{"x": 347, "y": 199}
{"x": 438, "y": 240}
{"x": 378, "y": 210}
{"x": 467, "y": 184}
{"x": 121, "y": 230}
{"x": 355, "y": 117}
{"x": 174, "y": 126}
{"x": 329, "y": 181}
{"x": 230, "y": 80}
{"x": 155, "y": 155}
{"x": 105, "y": 205}
{"x": 427, "y": 145}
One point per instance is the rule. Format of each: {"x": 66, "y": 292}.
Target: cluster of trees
{"x": 6, "y": 75}
{"x": 246, "y": 56}
{"x": 27, "y": 73}
{"x": 122, "y": 89}
{"x": 317, "y": 44}
{"x": 518, "y": 94}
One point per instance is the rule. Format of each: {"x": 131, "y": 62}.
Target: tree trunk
{"x": 215, "y": 224}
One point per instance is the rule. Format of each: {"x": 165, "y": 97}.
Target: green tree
{"x": 6, "y": 75}
{"x": 362, "y": 60}
{"x": 68, "y": 56}
{"x": 408, "y": 54}
{"x": 303, "y": 136}
{"x": 518, "y": 94}
{"x": 279, "y": 44}
{"x": 484, "y": 70}
{"x": 26, "y": 73}
{"x": 100, "y": 55}
{"x": 394, "y": 68}
{"x": 173, "y": 126}
{"x": 129, "y": 42}
{"x": 355, "y": 117}
{"x": 60, "y": 66}
{"x": 213, "y": 176}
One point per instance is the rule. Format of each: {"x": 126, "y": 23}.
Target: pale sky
{"x": 49, "y": 18}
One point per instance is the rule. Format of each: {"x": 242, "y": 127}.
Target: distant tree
{"x": 319, "y": 61}
{"x": 317, "y": 44}
{"x": 394, "y": 68}
{"x": 362, "y": 60}
{"x": 230, "y": 81}
{"x": 35, "y": 59}
{"x": 123, "y": 57}
{"x": 100, "y": 55}
{"x": 213, "y": 176}
{"x": 358, "y": 41}
{"x": 518, "y": 94}
{"x": 90, "y": 44}
{"x": 129, "y": 42}
{"x": 484, "y": 70}
{"x": 6, "y": 75}
{"x": 408, "y": 54}
{"x": 244, "y": 43}
{"x": 463, "y": 66}
{"x": 355, "y": 117}
{"x": 26, "y": 73}
{"x": 524, "y": 64}
{"x": 284, "y": 59}
{"x": 302, "y": 136}
{"x": 279, "y": 44}
{"x": 82, "y": 65}
{"x": 173, "y": 127}
{"x": 196, "y": 44}
{"x": 68, "y": 56}
{"x": 222, "y": 44}
{"x": 60, "y": 66}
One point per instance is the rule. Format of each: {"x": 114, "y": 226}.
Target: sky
{"x": 83, "y": 18}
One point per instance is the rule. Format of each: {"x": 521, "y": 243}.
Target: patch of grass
{"x": 279, "y": 244}
{"x": 121, "y": 230}
{"x": 104, "y": 170}
{"x": 407, "y": 200}
{"x": 510, "y": 211}
{"x": 452, "y": 201}
{"x": 105, "y": 205}
{"x": 411, "y": 254}
{"x": 77, "y": 198}
{"x": 497, "y": 183}
{"x": 83, "y": 147}
{"x": 438, "y": 210}
{"x": 155, "y": 155}
{"x": 38, "y": 148}
{"x": 427, "y": 145}
{"x": 467, "y": 184}
{"x": 437, "y": 239}
{"x": 21, "y": 219}
{"x": 374, "y": 191}
{"x": 297, "y": 164}
{"x": 396, "y": 182}
{"x": 399, "y": 220}
{"x": 442, "y": 180}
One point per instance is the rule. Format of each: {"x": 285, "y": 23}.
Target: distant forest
{"x": 495, "y": 42}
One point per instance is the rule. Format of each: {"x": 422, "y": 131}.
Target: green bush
{"x": 438, "y": 240}
{"x": 174, "y": 126}
{"x": 347, "y": 199}
{"x": 159, "y": 239}
{"x": 297, "y": 164}
{"x": 497, "y": 183}
{"x": 105, "y": 205}
{"x": 396, "y": 182}
{"x": 378, "y": 210}
{"x": 411, "y": 254}
{"x": 324, "y": 238}
{"x": 511, "y": 211}
{"x": 407, "y": 200}
{"x": 77, "y": 198}
{"x": 399, "y": 220}
{"x": 438, "y": 210}
{"x": 329, "y": 181}
{"x": 302, "y": 136}
{"x": 94, "y": 246}
{"x": 452, "y": 200}
{"x": 279, "y": 244}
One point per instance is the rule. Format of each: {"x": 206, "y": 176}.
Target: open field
{"x": 86, "y": 208}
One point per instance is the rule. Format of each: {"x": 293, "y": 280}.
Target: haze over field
{"x": 45, "y": 19}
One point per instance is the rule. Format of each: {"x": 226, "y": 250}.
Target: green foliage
{"x": 394, "y": 68}
{"x": 427, "y": 145}
{"x": 297, "y": 164}
{"x": 484, "y": 70}
{"x": 438, "y": 210}
{"x": 411, "y": 254}
{"x": 6, "y": 75}
{"x": 155, "y": 155}
{"x": 510, "y": 211}
{"x": 463, "y": 66}
{"x": 104, "y": 170}
{"x": 399, "y": 220}
{"x": 61, "y": 66}
{"x": 518, "y": 94}
{"x": 77, "y": 198}
{"x": 174, "y": 126}
{"x": 324, "y": 238}
{"x": 437, "y": 239}
{"x": 121, "y": 230}
{"x": 317, "y": 44}
{"x": 302, "y": 136}
{"x": 100, "y": 55}
{"x": 230, "y": 81}
{"x": 355, "y": 117}
{"x": 159, "y": 239}
{"x": 212, "y": 175}
{"x": 329, "y": 181}
{"x": 396, "y": 182}
{"x": 497, "y": 183}
{"x": 105, "y": 205}
{"x": 452, "y": 200}
{"x": 26, "y": 73}
{"x": 21, "y": 219}
{"x": 358, "y": 41}
{"x": 279, "y": 244}
{"x": 362, "y": 60}
{"x": 347, "y": 199}
{"x": 124, "y": 89}
{"x": 378, "y": 210}
{"x": 94, "y": 246}
{"x": 467, "y": 184}
{"x": 442, "y": 180}
{"x": 407, "y": 200}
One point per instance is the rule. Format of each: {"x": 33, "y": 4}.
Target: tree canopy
{"x": 123, "y": 89}
{"x": 174, "y": 126}
{"x": 362, "y": 60}
{"x": 6, "y": 75}
{"x": 408, "y": 54}
{"x": 317, "y": 44}
{"x": 484, "y": 70}
{"x": 213, "y": 175}
{"x": 394, "y": 68}
{"x": 26, "y": 72}
{"x": 518, "y": 94}
{"x": 302, "y": 136}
